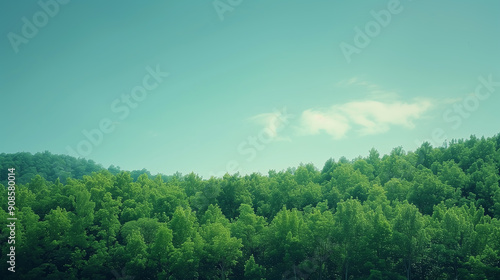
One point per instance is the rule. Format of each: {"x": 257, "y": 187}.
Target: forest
{"x": 432, "y": 213}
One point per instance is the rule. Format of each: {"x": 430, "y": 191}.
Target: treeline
{"x": 52, "y": 167}
{"x": 47, "y": 165}
{"x": 429, "y": 214}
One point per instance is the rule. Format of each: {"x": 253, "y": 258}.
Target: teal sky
{"x": 254, "y": 86}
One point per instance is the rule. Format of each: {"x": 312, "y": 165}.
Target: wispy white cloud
{"x": 377, "y": 113}
{"x": 330, "y": 121}
{"x": 367, "y": 117}
{"x": 273, "y": 123}
{"x": 375, "y": 117}
{"x": 374, "y": 91}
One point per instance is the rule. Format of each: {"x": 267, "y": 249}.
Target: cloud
{"x": 377, "y": 113}
{"x": 331, "y": 122}
{"x": 273, "y": 123}
{"x": 368, "y": 117}
{"x": 377, "y": 92}
{"x": 375, "y": 117}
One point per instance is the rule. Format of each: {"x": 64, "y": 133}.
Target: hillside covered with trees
{"x": 52, "y": 167}
{"x": 429, "y": 214}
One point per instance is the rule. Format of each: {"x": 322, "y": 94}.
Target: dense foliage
{"x": 52, "y": 167}
{"x": 429, "y": 214}
{"x": 46, "y": 165}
